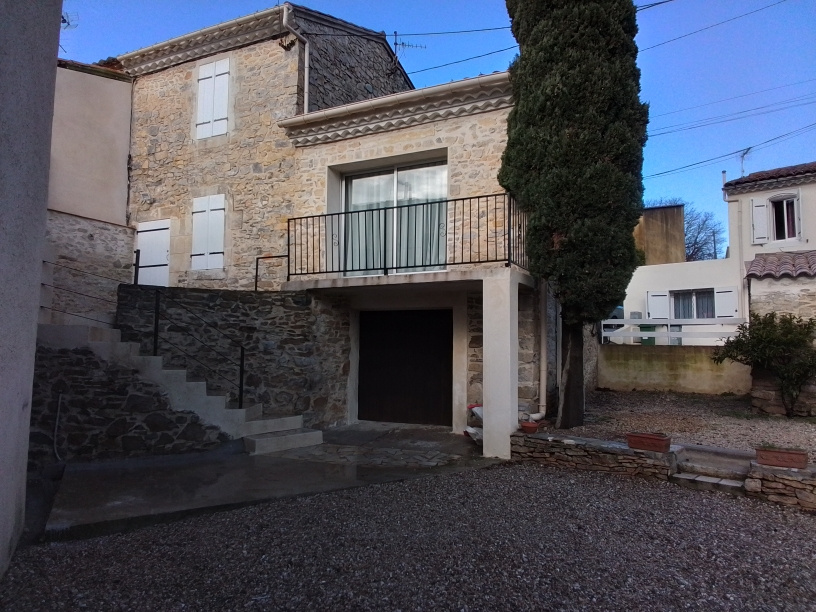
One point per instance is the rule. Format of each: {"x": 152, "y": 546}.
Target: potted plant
{"x": 769, "y": 454}
{"x": 655, "y": 442}
{"x": 529, "y": 427}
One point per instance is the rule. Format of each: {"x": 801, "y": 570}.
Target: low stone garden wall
{"x": 592, "y": 454}
{"x": 107, "y": 412}
{"x": 766, "y": 396}
{"x": 790, "y": 487}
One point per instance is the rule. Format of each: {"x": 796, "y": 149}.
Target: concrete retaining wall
{"x": 687, "y": 369}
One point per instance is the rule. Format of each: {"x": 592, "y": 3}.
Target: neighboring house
{"x": 772, "y": 221}
{"x": 89, "y": 243}
{"x": 660, "y": 234}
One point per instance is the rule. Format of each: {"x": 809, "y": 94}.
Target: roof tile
{"x": 779, "y": 265}
{"x": 776, "y": 173}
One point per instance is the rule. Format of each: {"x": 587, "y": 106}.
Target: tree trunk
{"x": 571, "y": 401}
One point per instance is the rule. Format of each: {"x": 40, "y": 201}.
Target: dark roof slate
{"x": 779, "y": 265}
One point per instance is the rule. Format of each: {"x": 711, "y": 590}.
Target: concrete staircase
{"x": 710, "y": 468}
{"x": 261, "y": 435}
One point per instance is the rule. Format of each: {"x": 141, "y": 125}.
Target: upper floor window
{"x": 777, "y": 218}
{"x": 213, "y": 99}
{"x": 697, "y": 304}
{"x": 716, "y": 303}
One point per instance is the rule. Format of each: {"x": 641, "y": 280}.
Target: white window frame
{"x": 763, "y": 218}
{"x": 209, "y": 226}
{"x": 213, "y": 101}
{"x": 694, "y": 292}
{"x": 660, "y": 304}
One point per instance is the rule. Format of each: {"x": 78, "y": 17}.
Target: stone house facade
{"x": 378, "y": 208}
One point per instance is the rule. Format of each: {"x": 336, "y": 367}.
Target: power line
{"x": 736, "y": 116}
{"x": 467, "y": 59}
{"x": 665, "y": 42}
{"x": 761, "y": 145}
{"x": 753, "y": 93}
{"x": 645, "y": 7}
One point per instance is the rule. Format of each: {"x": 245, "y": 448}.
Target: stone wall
{"x": 107, "y": 411}
{"x": 687, "y": 369}
{"x": 103, "y": 252}
{"x": 784, "y": 295}
{"x": 789, "y": 487}
{"x": 297, "y": 347}
{"x": 529, "y": 350}
{"x": 343, "y": 68}
{"x": 766, "y": 397}
{"x": 593, "y": 455}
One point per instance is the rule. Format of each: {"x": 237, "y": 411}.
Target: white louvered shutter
{"x": 726, "y": 303}
{"x": 208, "y": 233}
{"x": 657, "y": 304}
{"x": 220, "y": 97}
{"x": 759, "y": 221}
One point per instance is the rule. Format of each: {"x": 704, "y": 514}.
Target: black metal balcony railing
{"x": 411, "y": 238}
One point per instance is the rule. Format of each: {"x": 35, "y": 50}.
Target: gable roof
{"x": 779, "y": 265}
{"x": 239, "y": 32}
{"x": 786, "y": 176}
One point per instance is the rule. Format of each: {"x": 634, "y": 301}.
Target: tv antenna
{"x": 401, "y": 46}
{"x": 69, "y": 21}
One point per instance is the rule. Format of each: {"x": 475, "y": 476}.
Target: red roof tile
{"x": 778, "y": 265}
{"x": 776, "y": 173}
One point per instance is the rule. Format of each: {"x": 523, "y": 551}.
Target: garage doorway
{"x": 406, "y": 366}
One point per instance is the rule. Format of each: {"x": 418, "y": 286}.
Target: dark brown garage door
{"x": 406, "y": 366}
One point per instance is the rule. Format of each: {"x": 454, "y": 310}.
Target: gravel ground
{"x": 713, "y": 420}
{"x": 512, "y": 537}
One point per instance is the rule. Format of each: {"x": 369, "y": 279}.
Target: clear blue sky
{"x": 771, "y": 48}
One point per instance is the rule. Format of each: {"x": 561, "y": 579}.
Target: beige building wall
{"x": 90, "y": 144}
{"x": 660, "y": 234}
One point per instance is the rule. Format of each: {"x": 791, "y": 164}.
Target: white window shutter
{"x": 798, "y": 206}
{"x": 201, "y": 212}
{"x": 759, "y": 221}
{"x": 657, "y": 304}
{"x": 204, "y": 117}
{"x": 215, "y": 232}
{"x": 220, "y": 97}
{"x": 726, "y": 303}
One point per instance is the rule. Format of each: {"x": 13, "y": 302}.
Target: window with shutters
{"x": 777, "y": 218}
{"x": 213, "y": 99}
{"x": 716, "y": 303}
{"x": 208, "y": 232}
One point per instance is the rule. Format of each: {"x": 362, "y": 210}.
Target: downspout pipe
{"x": 287, "y": 23}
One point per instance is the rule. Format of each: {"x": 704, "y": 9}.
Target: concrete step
{"x": 282, "y": 440}
{"x": 74, "y": 336}
{"x": 259, "y": 425}
{"x": 702, "y": 482}
{"x": 737, "y": 471}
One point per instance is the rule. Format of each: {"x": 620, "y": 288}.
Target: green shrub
{"x": 782, "y": 345}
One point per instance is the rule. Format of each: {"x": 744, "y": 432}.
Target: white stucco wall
{"x": 89, "y": 148}
{"x": 680, "y": 277}
{"x": 29, "y": 35}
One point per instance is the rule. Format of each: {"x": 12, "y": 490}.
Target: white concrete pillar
{"x": 500, "y": 377}
{"x": 460, "y": 364}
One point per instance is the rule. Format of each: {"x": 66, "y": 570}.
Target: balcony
{"x": 424, "y": 237}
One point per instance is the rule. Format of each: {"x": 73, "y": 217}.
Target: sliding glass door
{"x": 396, "y": 219}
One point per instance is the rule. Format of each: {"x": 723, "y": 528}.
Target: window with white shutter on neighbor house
{"x": 213, "y": 99}
{"x": 208, "y": 232}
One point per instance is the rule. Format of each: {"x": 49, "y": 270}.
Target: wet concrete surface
{"x": 106, "y": 497}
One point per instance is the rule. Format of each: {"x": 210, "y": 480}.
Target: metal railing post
{"x": 257, "y": 262}
{"x": 241, "y": 380}
{"x": 156, "y": 306}
{"x": 288, "y": 249}
{"x": 136, "y": 266}
{"x": 507, "y": 212}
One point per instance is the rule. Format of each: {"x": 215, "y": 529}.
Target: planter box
{"x": 657, "y": 443}
{"x": 782, "y": 457}
{"x": 529, "y": 428}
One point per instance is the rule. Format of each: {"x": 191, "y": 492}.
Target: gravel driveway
{"x": 712, "y": 420}
{"x": 512, "y": 537}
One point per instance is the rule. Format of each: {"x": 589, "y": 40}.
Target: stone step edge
{"x": 704, "y": 469}
{"x": 700, "y": 481}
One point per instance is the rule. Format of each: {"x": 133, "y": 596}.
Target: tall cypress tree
{"x": 574, "y": 161}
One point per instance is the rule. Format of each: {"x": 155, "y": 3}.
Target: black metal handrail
{"x": 80, "y": 293}
{"x": 413, "y": 237}
{"x": 157, "y": 316}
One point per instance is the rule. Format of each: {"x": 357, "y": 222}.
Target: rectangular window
{"x": 697, "y": 304}
{"x": 784, "y": 217}
{"x": 213, "y": 99}
{"x": 398, "y": 219}
{"x": 208, "y": 232}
